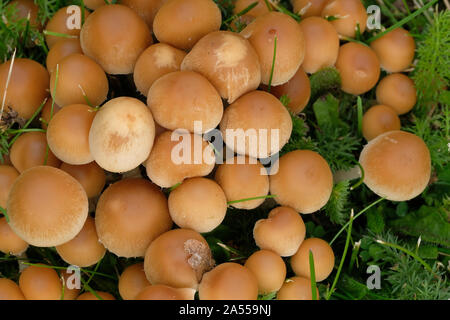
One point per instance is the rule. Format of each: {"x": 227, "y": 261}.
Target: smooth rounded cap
{"x": 179, "y": 99}
{"x": 130, "y": 214}
{"x": 30, "y": 150}
{"x": 178, "y": 258}
{"x": 115, "y": 47}
{"x": 157, "y": 60}
{"x": 69, "y": 280}
{"x": 323, "y": 259}
{"x": 47, "y": 113}
{"x": 296, "y": 288}
{"x": 350, "y": 14}
{"x": 94, "y": 4}
{"x": 198, "y": 204}
{"x": 79, "y": 79}
{"x": 40, "y": 283}
{"x": 8, "y": 175}
{"x": 169, "y": 163}
{"x": 321, "y": 44}
{"x": 47, "y": 207}
{"x": 259, "y": 10}
{"x": 10, "y": 243}
{"x": 304, "y": 181}
{"x": 27, "y": 88}
{"x": 9, "y": 290}
{"x": 243, "y": 178}
{"x": 84, "y": 250}
{"x": 228, "y": 61}
{"x": 397, "y": 91}
{"x": 359, "y": 68}
{"x": 269, "y": 270}
{"x": 122, "y": 134}
{"x": 162, "y": 292}
{"x": 308, "y": 8}
{"x": 60, "y": 50}
{"x": 282, "y": 232}
{"x": 229, "y": 281}
{"x": 379, "y": 119}
{"x": 25, "y": 9}
{"x": 395, "y": 50}
{"x": 146, "y": 9}
{"x": 91, "y": 296}
{"x": 290, "y": 46}
{"x": 90, "y": 176}
{"x": 132, "y": 281}
{"x": 397, "y": 165}
{"x": 181, "y": 23}
{"x": 257, "y": 125}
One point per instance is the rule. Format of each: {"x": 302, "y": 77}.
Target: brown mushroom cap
{"x": 269, "y": 269}
{"x": 290, "y": 46}
{"x": 397, "y": 165}
{"x": 90, "y": 176}
{"x": 181, "y": 23}
{"x": 132, "y": 281}
{"x": 27, "y": 8}
{"x": 8, "y": 175}
{"x": 40, "y": 283}
{"x": 85, "y": 249}
{"x": 243, "y": 178}
{"x": 262, "y": 116}
{"x": 68, "y": 134}
{"x": 304, "y": 181}
{"x": 282, "y": 232}
{"x": 157, "y": 60}
{"x": 259, "y": 10}
{"x": 296, "y": 288}
{"x": 397, "y": 91}
{"x": 228, "y": 281}
{"x": 162, "y": 292}
{"x": 146, "y": 9}
{"x": 122, "y": 134}
{"x": 79, "y": 77}
{"x": 395, "y": 50}
{"x": 10, "y": 243}
{"x": 350, "y": 13}
{"x": 178, "y": 258}
{"x": 94, "y": 4}
{"x": 27, "y": 88}
{"x": 58, "y": 24}
{"x": 308, "y": 8}
{"x": 323, "y": 259}
{"x": 66, "y": 278}
{"x": 198, "y": 204}
{"x": 91, "y": 296}
{"x": 115, "y": 47}
{"x": 29, "y": 151}
{"x": 60, "y": 50}
{"x": 228, "y": 61}
{"x": 47, "y": 114}
{"x": 165, "y": 172}
{"x": 359, "y": 68}
{"x": 47, "y": 207}
{"x": 379, "y": 119}
{"x": 321, "y": 44}
{"x": 178, "y": 99}
{"x": 9, "y": 290}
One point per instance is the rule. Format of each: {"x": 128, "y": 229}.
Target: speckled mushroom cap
{"x": 397, "y": 91}
{"x": 350, "y": 13}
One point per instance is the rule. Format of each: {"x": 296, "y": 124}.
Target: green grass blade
{"x": 312, "y": 271}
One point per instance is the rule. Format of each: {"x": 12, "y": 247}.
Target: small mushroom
{"x": 60, "y": 50}
{"x": 308, "y": 8}
{"x": 296, "y": 288}
{"x": 47, "y": 113}
{"x": 90, "y": 176}
{"x": 162, "y": 292}
{"x": 132, "y": 281}
{"x": 397, "y": 91}
{"x": 379, "y": 119}
{"x": 95, "y": 4}
{"x": 8, "y": 174}
{"x": 10, "y": 243}
{"x": 27, "y": 9}
{"x": 146, "y": 9}
{"x": 349, "y": 15}
{"x": 91, "y": 296}
{"x": 9, "y": 290}
{"x": 40, "y": 282}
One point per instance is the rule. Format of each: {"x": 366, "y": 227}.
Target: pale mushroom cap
{"x": 397, "y": 165}
{"x": 8, "y": 174}
{"x": 132, "y": 281}
{"x": 162, "y": 292}
{"x": 40, "y": 283}
{"x": 47, "y": 207}
{"x": 157, "y": 60}
{"x": 47, "y": 113}
{"x": 178, "y": 258}
{"x": 290, "y": 46}
{"x": 91, "y": 296}
{"x": 68, "y": 134}
{"x": 304, "y": 181}
{"x": 296, "y": 288}
{"x": 260, "y": 120}
{"x": 130, "y": 214}
{"x": 181, "y": 23}
{"x": 146, "y": 9}
{"x": 179, "y": 99}
{"x": 122, "y": 134}
{"x": 282, "y": 232}
{"x": 242, "y": 178}
{"x": 323, "y": 259}
{"x": 198, "y": 204}
{"x": 395, "y": 50}
{"x": 359, "y": 68}
{"x": 258, "y": 10}
{"x": 85, "y": 249}
{"x": 9, "y": 290}
{"x": 79, "y": 77}
{"x": 10, "y": 243}
{"x": 228, "y": 61}
{"x": 321, "y": 44}
{"x": 379, "y": 119}
{"x": 90, "y": 176}
{"x": 60, "y": 50}
{"x": 269, "y": 270}
{"x": 228, "y": 281}
{"x": 27, "y": 88}
{"x": 115, "y": 47}
{"x": 397, "y": 91}
{"x": 308, "y": 8}
{"x": 350, "y": 13}
{"x": 29, "y": 151}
